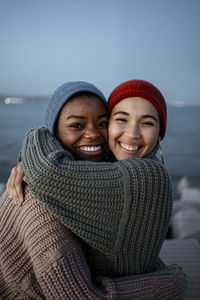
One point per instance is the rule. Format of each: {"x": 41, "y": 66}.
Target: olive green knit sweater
{"x": 122, "y": 209}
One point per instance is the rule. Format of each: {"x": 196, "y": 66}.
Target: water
{"x": 15, "y": 121}
{"x": 180, "y": 146}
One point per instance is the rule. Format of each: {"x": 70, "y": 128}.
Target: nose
{"x": 91, "y": 132}
{"x": 133, "y": 131}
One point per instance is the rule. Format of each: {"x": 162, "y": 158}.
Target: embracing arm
{"x": 15, "y": 184}
{"x": 111, "y": 206}
{"x": 168, "y": 283}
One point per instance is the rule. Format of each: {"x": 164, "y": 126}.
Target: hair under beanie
{"x": 144, "y": 89}
{"x": 62, "y": 94}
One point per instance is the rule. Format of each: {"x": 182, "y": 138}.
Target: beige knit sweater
{"x": 41, "y": 259}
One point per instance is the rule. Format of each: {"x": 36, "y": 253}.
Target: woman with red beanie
{"x": 138, "y": 117}
{"x": 121, "y": 210}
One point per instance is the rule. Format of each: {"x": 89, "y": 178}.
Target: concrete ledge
{"x": 190, "y": 194}
{"x": 185, "y": 222}
{"x": 186, "y": 254}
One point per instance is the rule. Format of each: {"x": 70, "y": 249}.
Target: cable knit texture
{"x": 122, "y": 210}
{"x": 41, "y": 259}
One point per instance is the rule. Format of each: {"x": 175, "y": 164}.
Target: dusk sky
{"x": 45, "y": 43}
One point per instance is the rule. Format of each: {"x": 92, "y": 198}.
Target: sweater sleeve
{"x": 70, "y": 278}
{"x": 100, "y": 201}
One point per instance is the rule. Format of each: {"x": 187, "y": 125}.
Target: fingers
{"x": 9, "y": 186}
{"x": 14, "y": 185}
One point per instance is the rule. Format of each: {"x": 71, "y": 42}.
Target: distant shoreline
{"x": 25, "y": 99}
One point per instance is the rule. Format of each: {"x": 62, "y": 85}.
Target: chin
{"x": 95, "y": 159}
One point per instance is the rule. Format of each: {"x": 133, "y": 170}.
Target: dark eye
{"x": 103, "y": 124}
{"x": 121, "y": 120}
{"x": 148, "y": 123}
{"x": 77, "y": 126}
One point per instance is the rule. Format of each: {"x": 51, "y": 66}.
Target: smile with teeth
{"x": 129, "y": 147}
{"x": 90, "y": 148}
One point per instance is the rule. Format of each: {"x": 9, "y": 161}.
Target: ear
{"x": 159, "y": 139}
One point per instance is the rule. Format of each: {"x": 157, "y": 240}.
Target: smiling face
{"x": 133, "y": 128}
{"x": 82, "y": 127}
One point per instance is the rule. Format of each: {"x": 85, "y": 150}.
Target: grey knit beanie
{"x": 62, "y": 94}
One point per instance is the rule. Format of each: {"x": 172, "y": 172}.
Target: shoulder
{"x": 33, "y": 223}
{"x": 40, "y": 218}
{"x": 143, "y": 165}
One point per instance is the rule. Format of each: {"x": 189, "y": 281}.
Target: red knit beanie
{"x": 144, "y": 89}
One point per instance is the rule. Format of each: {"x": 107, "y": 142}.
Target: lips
{"x": 91, "y": 148}
{"x": 130, "y": 147}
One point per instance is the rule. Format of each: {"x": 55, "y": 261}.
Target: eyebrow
{"x": 75, "y": 117}
{"x": 127, "y": 114}
{"x": 120, "y": 112}
{"x": 83, "y": 117}
{"x": 102, "y": 116}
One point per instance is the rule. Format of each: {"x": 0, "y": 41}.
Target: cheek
{"x": 114, "y": 130}
{"x": 111, "y": 134}
{"x": 67, "y": 138}
{"x": 152, "y": 138}
{"x": 104, "y": 133}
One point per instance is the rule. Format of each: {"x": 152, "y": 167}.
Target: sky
{"x": 45, "y": 43}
